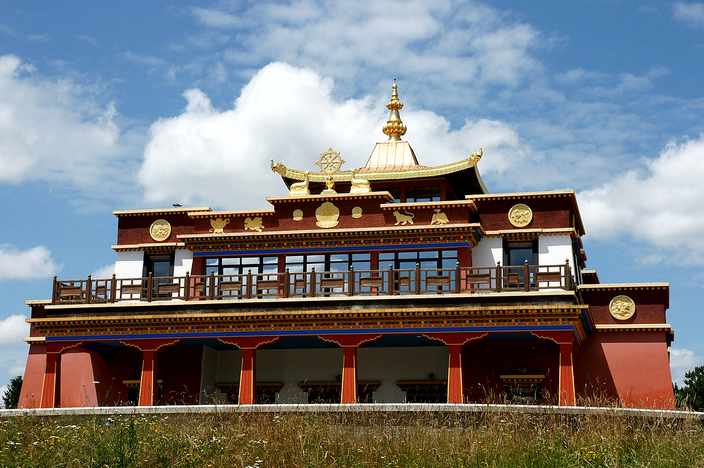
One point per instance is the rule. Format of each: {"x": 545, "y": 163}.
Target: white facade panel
{"x": 129, "y": 264}
{"x": 488, "y": 252}
{"x": 183, "y": 261}
{"x": 556, "y": 250}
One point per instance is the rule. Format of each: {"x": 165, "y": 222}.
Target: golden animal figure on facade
{"x": 300, "y": 188}
{"x": 622, "y": 307}
{"x": 359, "y": 185}
{"x": 327, "y": 215}
{"x": 477, "y": 155}
{"x": 254, "y": 224}
{"x": 403, "y": 218}
{"x": 160, "y": 230}
{"x": 520, "y": 215}
{"x": 218, "y": 225}
{"x": 439, "y": 217}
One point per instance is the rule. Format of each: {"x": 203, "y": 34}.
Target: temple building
{"x": 394, "y": 282}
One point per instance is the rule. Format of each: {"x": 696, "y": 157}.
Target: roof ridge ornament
{"x": 330, "y": 163}
{"x": 394, "y": 127}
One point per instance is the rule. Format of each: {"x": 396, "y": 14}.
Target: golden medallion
{"x": 160, "y": 230}
{"x": 253, "y": 224}
{"x": 357, "y": 212}
{"x": 297, "y": 215}
{"x": 622, "y": 307}
{"x": 327, "y": 215}
{"x": 520, "y": 215}
{"x": 217, "y": 225}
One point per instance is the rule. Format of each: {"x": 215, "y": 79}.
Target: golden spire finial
{"x": 394, "y": 126}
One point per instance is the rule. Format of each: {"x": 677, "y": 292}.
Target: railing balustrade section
{"x": 253, "y": 286}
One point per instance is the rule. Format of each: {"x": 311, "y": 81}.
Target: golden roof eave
{"x": 371, "y": 175}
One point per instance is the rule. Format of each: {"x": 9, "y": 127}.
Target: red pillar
{"x": 349, "y": 345}
{"x": 565, "y": 388}
{"x": 248, "y": 349}
{"x": 48, "y": 399}
{"x": 147, "y": 379}
{"x": 455, "y": 345}
{"x": 455, "y": 387}
{"x": 567, "y": 393}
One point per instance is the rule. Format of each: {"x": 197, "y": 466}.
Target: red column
{"x": 248, "y": 350}
{"x": 146, "y": 381}
{"x": 567, "y": 393}
{"x": 455, "y": 345}
{"x": 349, "y": 375}
{"x": 349, "y": 345}
{"x": 455, "y": 387}
{"x": 247, "y": 378}
{"x": 48, "y": 398}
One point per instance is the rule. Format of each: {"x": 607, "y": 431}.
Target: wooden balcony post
{"x": 286, "y": 283}
{"x": 54, "y": 291}
{"x": 392, "y": 286}
{"x": 568, "y": 275}
{"x": 458, "y": 277}
{"x": 499, "y": 277}
{"x": 312, "y": 284}
{"x": 187, "y": 287}
{"x": 113, "y": 288}
{"x": 248, "y": 293}
{"x": 417, "y": 277}
{"x": 211, "y": 286}
{"x": 350, "y": 282}
{"x": 150, "y": 286}
{"x": 89, "y": 289}
{"x": 526, "y": 273}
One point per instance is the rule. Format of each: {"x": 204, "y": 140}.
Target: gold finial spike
{"x": 394, "y": 127}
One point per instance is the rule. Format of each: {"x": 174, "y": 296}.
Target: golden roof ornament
{"x": 394, "y": 127}
{"x": 330, "y": 163}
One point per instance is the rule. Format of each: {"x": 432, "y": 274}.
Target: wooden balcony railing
{"x": 314, "y": 284}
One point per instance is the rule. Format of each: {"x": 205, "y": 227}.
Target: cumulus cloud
{"x": 660, "y": 203}
{"x": 35, "y": 262}
{"x": 690, "y": 13}
{"x": 290, "y": 114}
{"x": 681, "y": 361}
{"x": 105, "y": 271}
{"x": 13, "y": 330}
{"x": 54, "y": 130}
{"x": 455, "y": 45}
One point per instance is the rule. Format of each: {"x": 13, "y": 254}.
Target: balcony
{"x": 392, "y": 282}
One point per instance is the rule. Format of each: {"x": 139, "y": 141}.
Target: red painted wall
{"x": 31, "y": 392}
{"x": 547, "y": 213}
{"x": 638, "y": 366}
{"x": 77, "y": 379}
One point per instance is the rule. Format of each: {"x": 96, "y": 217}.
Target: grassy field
{"x": 364, "y": 440}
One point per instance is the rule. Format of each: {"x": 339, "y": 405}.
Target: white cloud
{"x": 289, "y": 114}
{"x": 3, "y": 389}
{"x": 35, "y": 262}
{"x": 459, "y": 46}
{"x": 691, "y": 13}
{"x": 105, "y": 271}
{"x": 13, "y": 330}
{"x": 215, "y": 18}
{"x": 681, "y": 361}
{"x": 54, "y": 130}
{"x": 660, "y": 202}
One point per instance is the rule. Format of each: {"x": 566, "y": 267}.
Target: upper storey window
{"x": 328, "y": 262}
{"x": 518, "y": 253}
{"x": 240, "y": 265}
{"x": 423, "y": 194}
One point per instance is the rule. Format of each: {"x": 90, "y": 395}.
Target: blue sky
{"x": 138, "y": 104}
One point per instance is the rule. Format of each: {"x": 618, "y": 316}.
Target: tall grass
{"x": 350, "y": 439}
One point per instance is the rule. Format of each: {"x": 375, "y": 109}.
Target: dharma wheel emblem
{"x": 330, "y": 161}
{"x": 160, "y": 230}
{"x": 520, "y": 215}
{"x": 622, "y": 307}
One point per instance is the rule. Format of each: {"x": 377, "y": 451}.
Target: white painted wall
{"x": 292, "y": 366}
{"x": 129, "y": 264}
{"x": 183, "y": 261}
{"x": 488, "y": 252}
{"x": 554, "y": 250}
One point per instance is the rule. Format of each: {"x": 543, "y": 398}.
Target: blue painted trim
{"x": 361, "y": 248}
{"x": 363, "y": 331}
